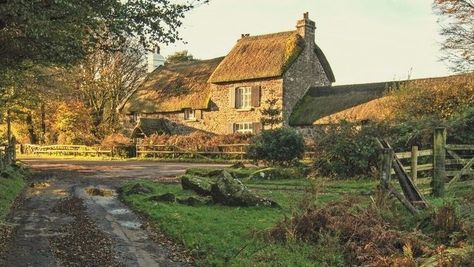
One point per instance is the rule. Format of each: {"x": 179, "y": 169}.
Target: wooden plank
{"x": 232, "y": 145}
{"x": 465, "y": 170}
{"x": 414, "y": 163}
{"x": 407, "y": 154}
{"x": 426, "y": 152}
{"x": 459, "y": 147}
{"x": 454, "y": 173}
{"x": 403, "y": 155}
{"x": 456, "y": 161}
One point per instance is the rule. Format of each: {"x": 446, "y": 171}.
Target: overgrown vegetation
{"x": 280, "y": 146}
{"x": 197, "y": 140}
{"x": 347, "y": 149}
{"x": 12, "y": 181}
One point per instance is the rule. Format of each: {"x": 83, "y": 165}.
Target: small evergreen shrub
{"x": 277, "y": 146}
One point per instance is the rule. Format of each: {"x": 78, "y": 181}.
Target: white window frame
{"x": 189, "y": 114}
{"x": 135, "y": 117}
{"x": 243, "y": 97}
{"x": 243, "y": 127}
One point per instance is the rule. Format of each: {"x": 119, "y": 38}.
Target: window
{"x": 243, "y": 127}
{"x": 189, "y": 114}
{"x": 134, "y": 117}
{"x": 243, "y": 97}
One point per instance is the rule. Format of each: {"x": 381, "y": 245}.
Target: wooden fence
{"x": 63, "y": 150}
{"x": 223, "y": 151}
{"x": 445, "y": 163}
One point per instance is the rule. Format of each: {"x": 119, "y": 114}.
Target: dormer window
{"x": 189, "y": 114}
{"x": 243, "y": 97}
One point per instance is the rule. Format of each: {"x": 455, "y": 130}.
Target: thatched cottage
{"x": 225, "y": 95}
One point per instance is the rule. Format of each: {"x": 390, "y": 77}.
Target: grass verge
{"x": 234, "y": 236}
{"x": 12, "y": 181}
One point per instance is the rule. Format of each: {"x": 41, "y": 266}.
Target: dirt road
{"x": 63, "y": 220}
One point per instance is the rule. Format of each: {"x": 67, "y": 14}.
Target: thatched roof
{"x": 173, "y": 87}
{"x": 359, "y": 102}
{"x": 148, "y": 126}
{"x": 320, "y": 102}
{"x": 374, "y": 110}
{"x": 263, "y": 56}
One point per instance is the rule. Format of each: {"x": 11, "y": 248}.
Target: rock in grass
{"x": 194, "y": 201}
{"x": 200, "y": 185}
{"x": 167, "y": 197}
{"x": 139, "y": 189}
{"x": 231, "y": 192}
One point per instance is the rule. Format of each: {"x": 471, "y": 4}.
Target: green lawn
{"x": 12, "y": 181}
{"x": 231, "y": 236}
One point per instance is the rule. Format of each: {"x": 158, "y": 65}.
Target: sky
{"x": 364, "y": 40}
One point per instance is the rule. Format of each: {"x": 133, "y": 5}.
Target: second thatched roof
{"x": 174, "y": 87}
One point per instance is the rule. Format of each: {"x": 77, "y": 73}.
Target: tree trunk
{"x": 43, "y": 123}
{"x": 31, "y": 129}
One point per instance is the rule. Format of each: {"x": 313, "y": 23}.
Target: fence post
{"x": 414, "y": 163}
{"x": 439, "y": 161}
{"x": 386, "y": 166}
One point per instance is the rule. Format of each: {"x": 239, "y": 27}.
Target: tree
{"x": 457, "y": 27}
{"x": 271, "y": 115}
{"x": 49, "y": 32}
{"x": 180, "y": 56}
{"x": 104, "y": 80}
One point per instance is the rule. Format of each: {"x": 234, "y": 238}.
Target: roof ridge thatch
{"x": 258, "y": 57}
{"x": 268, "y": 35}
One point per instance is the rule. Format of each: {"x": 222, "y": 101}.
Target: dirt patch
{"x": 100, "y": 192}
{"x": 83, "y": 244}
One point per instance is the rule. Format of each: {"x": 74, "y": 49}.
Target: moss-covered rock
{"x": 167, "y": 197}
{"x": 229, "y": 191}
{"x": 194, "y": 201}
{"x": 200, "y": 185}
{"x": 139, "y": 188}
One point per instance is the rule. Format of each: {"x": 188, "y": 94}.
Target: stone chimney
{"x": 305, "y": 28}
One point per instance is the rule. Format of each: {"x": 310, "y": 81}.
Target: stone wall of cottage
{"x": 221, "y": 115}
{"x": 305, "y": 72}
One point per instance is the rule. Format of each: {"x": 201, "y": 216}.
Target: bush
{"x": 196, "y": 140}
{"x": 346, "y": 150}
{"x": 440, "y": 98}
{"x": 277, "y": 147}
{"x": 113, "y": 140}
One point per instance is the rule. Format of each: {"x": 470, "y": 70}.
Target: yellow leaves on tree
{"x": 73, "y": 124}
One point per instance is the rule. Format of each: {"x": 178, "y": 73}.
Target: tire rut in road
{"x": 81, "y": 243}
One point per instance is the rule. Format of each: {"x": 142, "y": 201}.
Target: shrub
{"x": 113, "y": 140}
{"x": 440, "y": 98}
{"x": 346, "y": 150}
{"x": 197, "y": 140}
{"x": 277, "y": 146}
